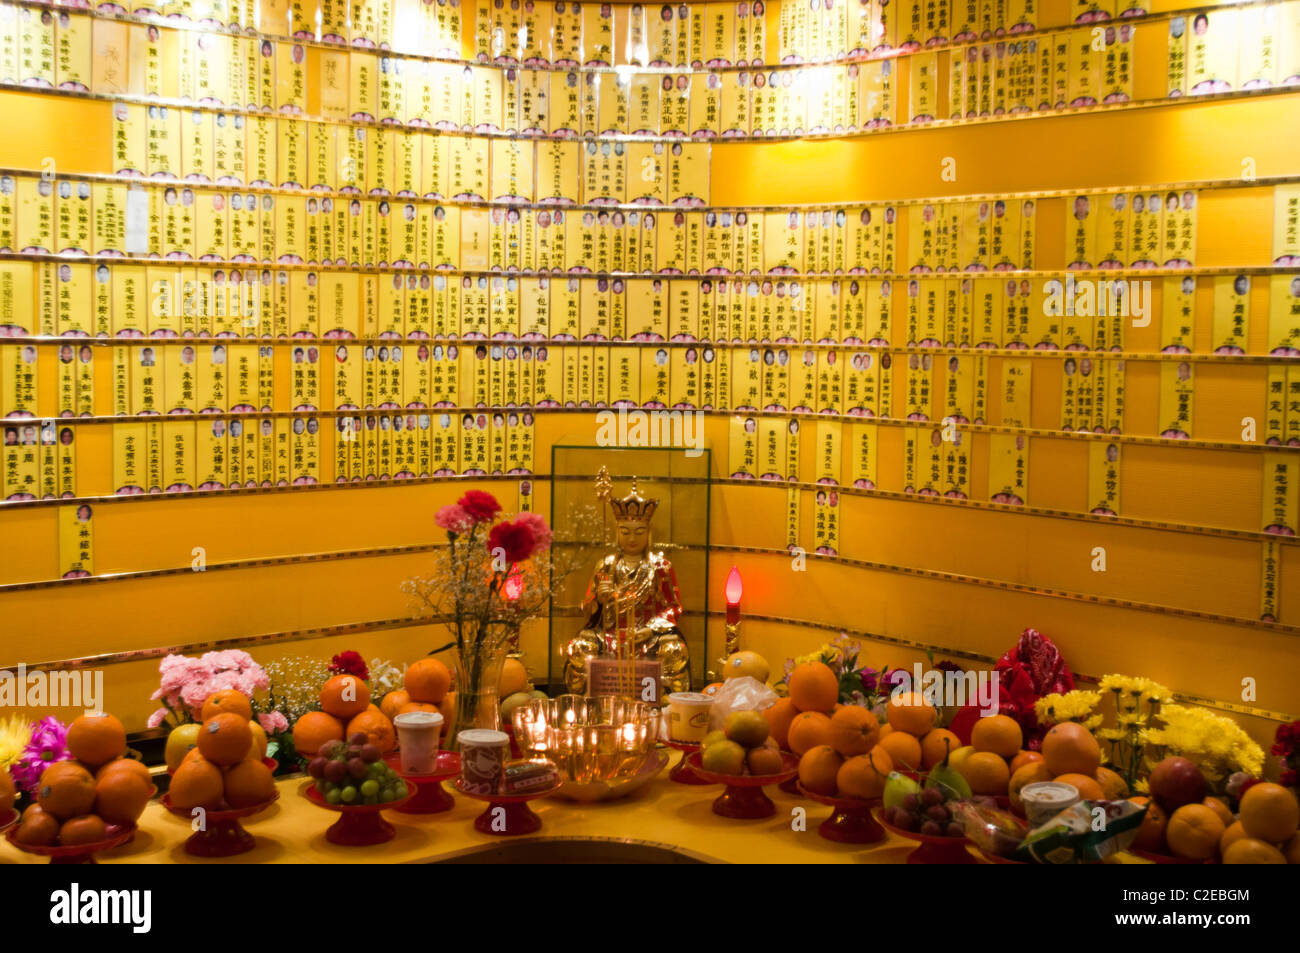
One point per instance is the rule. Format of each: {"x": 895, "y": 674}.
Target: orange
{"x": 248, "y": 783}
{"x": 904, "y": 749}
{"x": 1029, "y": 773}
{"x": 1071, "y": 749}
{"x": 128, "y": 765}
{"x": 8, "y": 793}
{"x": 96, "y": 739}
{"x": 121, "y": 796}
{"x": 514, "y": 678}
{"x": 38, "y": 828}
{"x": 1000, "y": 734}
{"x": 885, "y": 729}
{"x": 1113, "y": 787}
{"x": 818, "y": 769}
{"x": 1085, "y": 785}
{"x": 1218, "y": 807}
{"x": 1249, "y": 850}
{"x": 1194, "y": 832}
{"x": 447, "y": 708}
{"x": 813, "y": 687}
{"x": 196, "y": 783}
{"x": 910, "y": 712}
{"x": 1269, "y": 812}
{"x": 375, "y": 725}
{"x": 344, "y": 696}
{"x": 427, "y": 680}
{"x": 314, "y": 729}
{"x": 420, "y": 706}
{"x": 225, "y": 739}
{"x": 986, "y": 773}
{"x": 711, "y": 688}
{"x": 808, "y": 730}
{"x": 1231, "y": 835}
{"x": 854, "y": 730}
{"x": 937, "y": 744}
{"x": 779, "y": 715}
{"x": 66, "y": 790}
{"x": 393, "y": 701}
{"x": 1151, "y": 835}
{"x": 864, "y": 775}
{"x": 1291, "y": 849}
{"x": 226, "y": 700}
{"x": 87, "y": 829}
{"x": 1024, "y": 758}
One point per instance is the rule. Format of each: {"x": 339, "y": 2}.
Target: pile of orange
{"x": 427, "y": 687}
{"x": 346, "y": 710}
{"x": 224, "y": 769}
{"x": 78, "y": 800}
{"x": 1266, "y": 829}
{"x": 839, "y": 746}
{"x": 997, "y": 764}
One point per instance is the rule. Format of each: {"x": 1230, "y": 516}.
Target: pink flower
{"x": 273, "y": 722}
{"x": 47, "y": 745}
{"x": 542, "y": 535}
{"x": 514, "y": 541}
{"x": 156, "y": 718}
{"x": 454, "y": 519}
{"x": 482, "y": 507}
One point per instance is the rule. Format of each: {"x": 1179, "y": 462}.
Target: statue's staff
{"x": 604, "y": 489}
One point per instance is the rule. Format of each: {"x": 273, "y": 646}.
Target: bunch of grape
{"x": 926, "y": 813}
{"x": 355, "y": 773}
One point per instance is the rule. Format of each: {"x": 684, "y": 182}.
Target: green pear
{"x": 179, "y": 741}
{"x": 724, "y": 757}
{"x": 713, "y": 737}
{"x": 897, "y": 787}
{"x": 950, "y": 782}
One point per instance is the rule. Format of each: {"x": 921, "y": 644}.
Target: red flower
{"x": 512, "y": 541}
{"x": 349, "y": 663}
{"x": 482, "y": 507}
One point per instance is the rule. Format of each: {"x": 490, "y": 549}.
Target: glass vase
{"x": 478, "y": 673}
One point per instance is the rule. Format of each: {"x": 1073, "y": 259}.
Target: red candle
{"x": 734, "y": 590}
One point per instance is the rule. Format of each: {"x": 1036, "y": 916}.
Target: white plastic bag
{"x": 745, "y": 693}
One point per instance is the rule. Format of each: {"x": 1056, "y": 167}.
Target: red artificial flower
{"x": 349, "y": 663}
{"x": 482, "y": 507}
{"x": 514, "y": 541}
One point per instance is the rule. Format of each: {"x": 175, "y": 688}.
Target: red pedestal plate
{"x": 507, "y": 815}
{"x": 221, "y": 834}
{"x": 744, "y": 797}
{"x": 81, "y": 853}
{"x": 681, "y": 772}
{"x": 430, "y": 796}
{"x": 851, "y": 822}
{"x": 359, "y": 825}
{"x": 933, "y": 850}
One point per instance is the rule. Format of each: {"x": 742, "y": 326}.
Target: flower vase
{"x": 478, "y": 673}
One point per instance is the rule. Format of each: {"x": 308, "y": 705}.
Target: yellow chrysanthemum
{"x": 1214, "y": 743}
{"x": 1076, "y": 706}
{"x": 15, "y": 732}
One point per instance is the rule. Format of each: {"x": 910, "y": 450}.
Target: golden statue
{"x": 632, "y": 591}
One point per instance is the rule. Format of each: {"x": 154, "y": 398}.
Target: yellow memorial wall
{"x": 991, "y": 309}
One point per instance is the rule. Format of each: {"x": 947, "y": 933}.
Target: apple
{"x": 179, "y": 742}
{"x": 724, "y": 757}
{"x": 517, "y": 700}
{"x": 1176, "y": 781}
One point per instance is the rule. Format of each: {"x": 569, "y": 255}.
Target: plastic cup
{"x": 418, "y": 733}
{"x": 688, "y": 716}
{"x": 1045, "y": 799}
{"x": 483, "y": 756}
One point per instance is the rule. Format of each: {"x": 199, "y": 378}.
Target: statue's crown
{"x": 633, "y": 507}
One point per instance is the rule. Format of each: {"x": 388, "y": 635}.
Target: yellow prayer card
{"x": 1231, "y": 314}
{"x": 742, "y": 448}
{"x": 1176, "y": 399}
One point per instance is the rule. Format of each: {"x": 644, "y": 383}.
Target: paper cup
{"x": 483, "y": 756}
{"x": 418, "y": 733}
{"x": 1045, "y": 799}
{"x": 688, "y": 716}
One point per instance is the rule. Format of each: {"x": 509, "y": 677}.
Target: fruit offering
{"x": 223, "y": 769}
{"x": 851, "y": 763}
{"x": 355, "y": 773}
{"x": 77, "y": 800}
{"x": 346, "y": 710}
{"x": 426, "y": 687}
{"x": 741, "y": 664}
{"x": 515, "y": 688}
{"x": 744, "y": 746}
{"x": 927, "y": 812}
